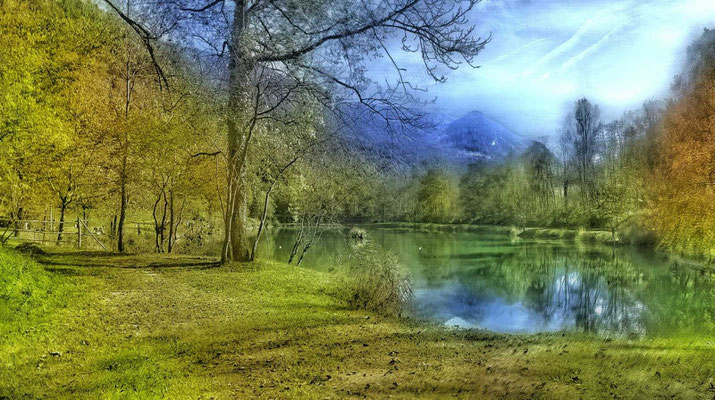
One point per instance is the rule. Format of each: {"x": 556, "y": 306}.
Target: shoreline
{"x": 147, "y": 327}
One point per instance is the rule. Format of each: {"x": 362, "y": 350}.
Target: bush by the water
{"x": 376, "y": 281}
{"x": 357, "y": 234}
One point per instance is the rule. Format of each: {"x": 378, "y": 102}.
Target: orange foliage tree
{"x": 684, "y": 177}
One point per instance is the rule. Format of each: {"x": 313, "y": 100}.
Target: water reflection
{"x": 569, "y": 300}
{"x": 496, "y": 283}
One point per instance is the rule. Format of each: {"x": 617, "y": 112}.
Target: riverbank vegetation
{"x": 93, "y": 139}
{"x": 644, "y": 177}
{"x": 143, "y": 328}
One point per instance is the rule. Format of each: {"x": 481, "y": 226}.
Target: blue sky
{"x": 546, "y": 54}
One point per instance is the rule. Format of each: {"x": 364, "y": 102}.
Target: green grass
{"x": 30, "y": 301}
{"x": 274, "y": 331}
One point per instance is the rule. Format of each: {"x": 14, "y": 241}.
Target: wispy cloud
{"x": 578, "y": 40}
{"x": 545, "y": 54}
{"x": 519, "y": 50}
{"x": 590, "y": 50}
{"x": 563, "y": 48}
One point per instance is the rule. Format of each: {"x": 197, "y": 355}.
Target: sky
{"x": 545, "y": 54}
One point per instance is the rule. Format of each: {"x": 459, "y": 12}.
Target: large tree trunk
{"x": 123, "y": 177}
{"x": 236, "y": 244}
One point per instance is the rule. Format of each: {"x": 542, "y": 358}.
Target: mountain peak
{"x": 473, "y": 137}
{"x": 479, "y": 137}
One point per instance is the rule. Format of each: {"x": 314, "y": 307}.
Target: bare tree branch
{"x": 201, "y": 9}
{"x": 146, "y": 38}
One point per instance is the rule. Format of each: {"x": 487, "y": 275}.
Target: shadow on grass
{"x": 117, "y": 260}
{"x": 68, "y": 271}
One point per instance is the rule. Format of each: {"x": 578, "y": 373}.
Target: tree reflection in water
{"x": 554, "y": 286}
{"x": 493, "y": 282}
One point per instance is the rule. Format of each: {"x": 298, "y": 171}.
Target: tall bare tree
{"x": 580, "y": 141}
{"x": 274, "y": 52}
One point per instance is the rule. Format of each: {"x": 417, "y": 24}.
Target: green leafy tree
{"x": 438, "y": 197}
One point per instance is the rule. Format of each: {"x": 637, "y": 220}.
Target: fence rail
{"x": 75, "y": 231}
{"x": 51, "y": 235}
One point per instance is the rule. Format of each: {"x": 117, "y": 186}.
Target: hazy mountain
{"x": 471, "y": 138}
{"x": 477, "y": 137}
{"x": 396, "y": 146}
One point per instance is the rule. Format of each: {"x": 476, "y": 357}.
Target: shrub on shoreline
{"x": 376, "y": 281}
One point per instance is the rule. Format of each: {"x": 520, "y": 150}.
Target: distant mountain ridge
{"x": 455, "y": 143}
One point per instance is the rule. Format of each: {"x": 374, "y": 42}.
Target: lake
{"x": 503, "y": 284}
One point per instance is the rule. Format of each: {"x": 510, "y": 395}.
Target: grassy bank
{"x": 432, "y": 227}
{"x": 582, "y": 235}
{"x": 157, "y": 329}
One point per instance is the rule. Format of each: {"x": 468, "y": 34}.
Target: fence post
{"x": 94, "y": 237}
{"x": 79, "y": 234}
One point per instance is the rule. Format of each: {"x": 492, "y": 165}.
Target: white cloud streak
{"x": 590, "y": 50}
{"x": 546, "y": 54}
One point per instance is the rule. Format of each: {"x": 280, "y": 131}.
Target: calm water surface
{"x": 491, "y": 281}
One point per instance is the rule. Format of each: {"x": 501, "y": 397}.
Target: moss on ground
{"x": 270, "y": 330}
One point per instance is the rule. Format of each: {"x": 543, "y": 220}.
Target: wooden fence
{"x": 45, "y": 231}
{"x": 80, "y": 233}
